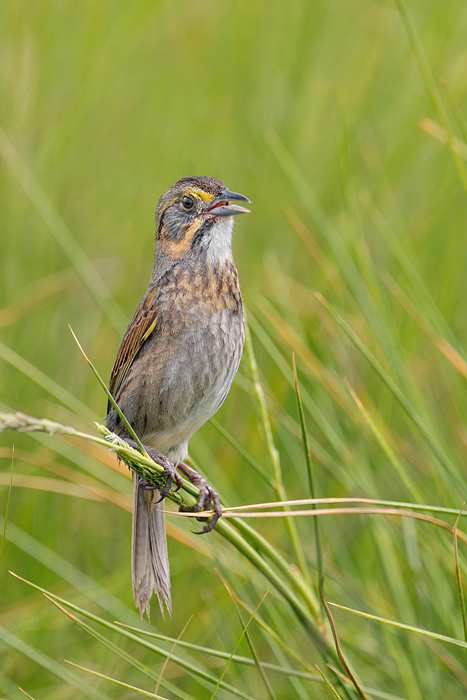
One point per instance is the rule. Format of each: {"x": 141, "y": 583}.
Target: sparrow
{"x": 177, "y": 360}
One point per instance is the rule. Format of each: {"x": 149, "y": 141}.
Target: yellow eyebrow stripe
{"x": 195, "y": 192}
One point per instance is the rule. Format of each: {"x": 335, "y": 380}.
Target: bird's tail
{"x": 149, "y": 558}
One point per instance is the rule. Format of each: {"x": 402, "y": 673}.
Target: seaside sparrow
{"x": 178, "y": 359}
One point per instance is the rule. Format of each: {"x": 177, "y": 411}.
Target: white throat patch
{"x": 220, "y": 241}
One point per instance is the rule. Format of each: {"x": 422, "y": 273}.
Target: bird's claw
{"x": 207, "y": 498}
{"x": 170, "y": 473}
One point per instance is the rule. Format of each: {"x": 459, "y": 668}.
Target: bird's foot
{"x": 207, "y": 498}
{"x": 170, "y": 471}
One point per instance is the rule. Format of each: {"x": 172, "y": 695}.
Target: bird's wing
{"x": 142, "y": 325}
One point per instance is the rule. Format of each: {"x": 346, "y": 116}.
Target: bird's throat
{"x": 219, "y": 243}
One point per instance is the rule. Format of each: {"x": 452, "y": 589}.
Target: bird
{"x": 177, "y": 360}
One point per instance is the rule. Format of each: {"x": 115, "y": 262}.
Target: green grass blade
{"x": 62, "y": 233}
{"x": 66, "y": 571}
{"x": 402, "y": 626}
{"x": 9, "y": 688}
{"x": 310, "y": 404}
{"x": 42, "y": 380}
{"x": 268, "y": 630}
{"x": 239, "y": 641}
{"x": 243, "y": 660}
{"x": 333, "y": 237}
{"x": 258, "y": 663}
{"x": 250, "y": 543}
{"x": 330, "y": 687}
{"x": 121, "y": 684}
{"x": 199, "y": 673}
{"x": 241, "y": 450}
{"x": 309, "y": 468}
{"x": 433, "y": 90}
{"x": 453, "y": 105}
{"x": 426, "y": 431}
{"x": 460, "y": 590}
{"x": 385, "y": 446}
{"x": 272, "y": 450}
{"x": 406, "y": 261}
{"x": 7, "y": 509}
{"x": 135, "y": 663}
{"x": 49, "y": 665}
{"x": 109, "y": 396}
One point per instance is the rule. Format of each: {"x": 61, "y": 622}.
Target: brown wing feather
{"x": 142, "y": 325}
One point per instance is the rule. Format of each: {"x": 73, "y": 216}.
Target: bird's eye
{"x": 187, "y": 203}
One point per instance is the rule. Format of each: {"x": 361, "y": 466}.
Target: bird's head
{"x": 196, "y": 214}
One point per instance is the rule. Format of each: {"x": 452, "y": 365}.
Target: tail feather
{"x": 149, "y": 558}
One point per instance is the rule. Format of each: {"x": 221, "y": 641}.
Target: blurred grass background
{"x": 319, "y": 113}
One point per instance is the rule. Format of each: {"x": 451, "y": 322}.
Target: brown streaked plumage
{"x": 141, "y": 325}
{"x": 179, "y": 354}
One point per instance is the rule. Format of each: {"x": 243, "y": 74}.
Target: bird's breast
{"x": 187, "y": 367}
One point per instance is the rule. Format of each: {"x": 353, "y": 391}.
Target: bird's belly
{"x": 189, "y": 380}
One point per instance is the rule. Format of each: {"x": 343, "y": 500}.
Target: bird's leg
{"x": 207, "y": 496}
{"x": 170, "y": 471}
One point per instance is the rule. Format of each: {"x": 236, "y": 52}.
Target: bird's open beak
{"x": 222, "y": 205}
